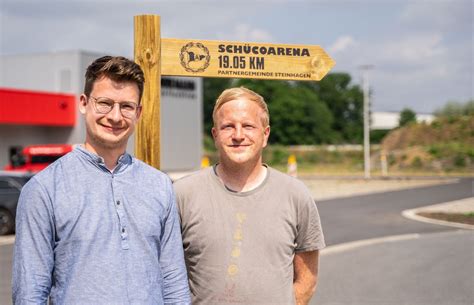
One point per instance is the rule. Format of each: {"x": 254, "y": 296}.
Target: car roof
{"x": 13, "y": 174}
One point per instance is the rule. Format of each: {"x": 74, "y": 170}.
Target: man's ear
{"x": 214, "y": 133}
{"x": 266, "y": 134}
{"x": 83, "y": 103}
{"x": 139, "y": 111}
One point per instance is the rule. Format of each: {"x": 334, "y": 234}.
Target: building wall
{"x": 181, "y": 123}
{"x": 63, "y": 72}
{"x": 389, "y": 120}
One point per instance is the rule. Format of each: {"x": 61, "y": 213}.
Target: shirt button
{"x": 118, "y": 202}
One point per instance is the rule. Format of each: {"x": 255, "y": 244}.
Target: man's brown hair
{"x": 118, "y": 69}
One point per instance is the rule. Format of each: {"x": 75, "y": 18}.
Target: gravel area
{"x": 335, "y": 188}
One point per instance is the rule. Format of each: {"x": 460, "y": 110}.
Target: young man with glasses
{"x": 99, "y": 226}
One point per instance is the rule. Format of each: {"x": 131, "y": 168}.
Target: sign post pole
{"x": 148, "y": 55}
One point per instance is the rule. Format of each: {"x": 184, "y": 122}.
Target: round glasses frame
{"x": 104, "y": 105}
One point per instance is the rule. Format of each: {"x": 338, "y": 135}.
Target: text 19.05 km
{"x": 241, "y": 62}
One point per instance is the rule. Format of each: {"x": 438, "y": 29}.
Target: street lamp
{"x": 365, "y": 85}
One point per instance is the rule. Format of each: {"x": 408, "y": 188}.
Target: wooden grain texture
{"x": 207, "y": 58}
{"x": 147, "y": 55}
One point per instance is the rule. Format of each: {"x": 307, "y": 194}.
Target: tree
{"x": 406, "y": 116}
{"x": 212, "y": 88}
{"x": 297, "y": 116}
{"x": 329, "y": 111}
{"x": 345, "y": 101}
{"x": 455, "y": 109}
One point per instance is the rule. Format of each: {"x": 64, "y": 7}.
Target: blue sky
{"x": 422, "y": 50}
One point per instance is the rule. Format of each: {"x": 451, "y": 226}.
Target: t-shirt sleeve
{"x": 310, "y": 235}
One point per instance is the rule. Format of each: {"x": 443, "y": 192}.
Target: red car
{"x": 34, "y": 158}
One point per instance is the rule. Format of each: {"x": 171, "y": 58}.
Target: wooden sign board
{"x": 208, "y": 58}
{"x": 205, "y": 58}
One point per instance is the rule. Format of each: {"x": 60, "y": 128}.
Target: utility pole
{"x": 365, "y": 84}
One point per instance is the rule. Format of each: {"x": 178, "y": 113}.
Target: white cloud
{"x": 438, "y": 15}
{"x": 422, "y": 49}
{"x": 342, "y": 43}
{"x": 412, "y": 49}
{"x": 245, "y": 32}
{"x": 417, "y": 70}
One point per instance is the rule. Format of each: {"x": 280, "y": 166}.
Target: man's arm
{"x": 33, "y": 258}
{"x": 305, "y": 265}
{"x": 175, "y": 284}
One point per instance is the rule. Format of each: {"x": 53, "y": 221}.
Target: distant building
{"x": 39, "y": 80}
{"x": 388, "y": 120}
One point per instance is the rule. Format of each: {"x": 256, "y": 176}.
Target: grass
{"x": 319, "y": 160}
{"x": 465, "y": 218}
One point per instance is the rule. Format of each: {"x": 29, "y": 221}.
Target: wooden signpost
{"x": 206, "y": 58}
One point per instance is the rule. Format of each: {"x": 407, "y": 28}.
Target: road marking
{"x": 366, "y": 242}
{"x": 379, "y": 240}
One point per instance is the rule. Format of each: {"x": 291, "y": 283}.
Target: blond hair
{"x": 241, "y": 92}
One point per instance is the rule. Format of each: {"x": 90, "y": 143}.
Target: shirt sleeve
{"x": 175, "y": 286}
{"x": 33, "y": 259}
{"x": 309, "y": 231}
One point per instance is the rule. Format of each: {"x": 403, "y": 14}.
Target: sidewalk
{"x": 324, "y": 188}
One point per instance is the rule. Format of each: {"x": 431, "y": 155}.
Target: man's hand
{"x": 305, "y": 278}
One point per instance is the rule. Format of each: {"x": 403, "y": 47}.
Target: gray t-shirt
{"x": 239, "y": 247}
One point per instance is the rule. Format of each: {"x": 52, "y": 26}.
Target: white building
{"x": 63, "y": 72}
{"x": 389, "y": 120}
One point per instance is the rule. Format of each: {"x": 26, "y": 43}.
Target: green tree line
{"x": 329, "y": 111}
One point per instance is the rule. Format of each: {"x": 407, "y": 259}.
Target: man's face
{"x": 239, "y": 134}
{"x": 111, "y": 130}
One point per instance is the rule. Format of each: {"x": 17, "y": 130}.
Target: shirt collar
{"x": 98, "y": 161}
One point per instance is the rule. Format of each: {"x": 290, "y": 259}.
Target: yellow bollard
{"x": 383, "y": 163}
{"x": 205, "y": 162}
{"x": 292, "y": 166}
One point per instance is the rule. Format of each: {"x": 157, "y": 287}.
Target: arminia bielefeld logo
{"x": 194, "y": 57}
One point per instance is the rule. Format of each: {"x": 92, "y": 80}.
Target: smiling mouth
{"x": 238, "y": 146}
{"x": 112, "y": 129}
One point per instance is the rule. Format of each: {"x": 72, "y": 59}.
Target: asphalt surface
{"x": 397, "y": 260}
{"x": 429, "y": 269}
{"x": 432, "y": 265}
{"x": 377, "y": 215}
{"x": 6, "y": 252}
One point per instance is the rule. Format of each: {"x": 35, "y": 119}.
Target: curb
{"x": 412, "y": 214}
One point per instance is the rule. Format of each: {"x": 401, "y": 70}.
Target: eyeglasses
{"x": 104, "y": 105}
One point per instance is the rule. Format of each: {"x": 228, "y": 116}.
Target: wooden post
{"x": 148, "y": 56}
{"x": 206, "y": 58}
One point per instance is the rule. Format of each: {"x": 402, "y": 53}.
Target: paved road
{"x": 371, "y": 216}
{"x": 429, "y": 264}
{"x": 5, "y": 273}
{"x": 429, "y": 269}
{"x": 378, "y": 215}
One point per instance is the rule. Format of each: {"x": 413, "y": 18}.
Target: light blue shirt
{"x": 86, "y": 235}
